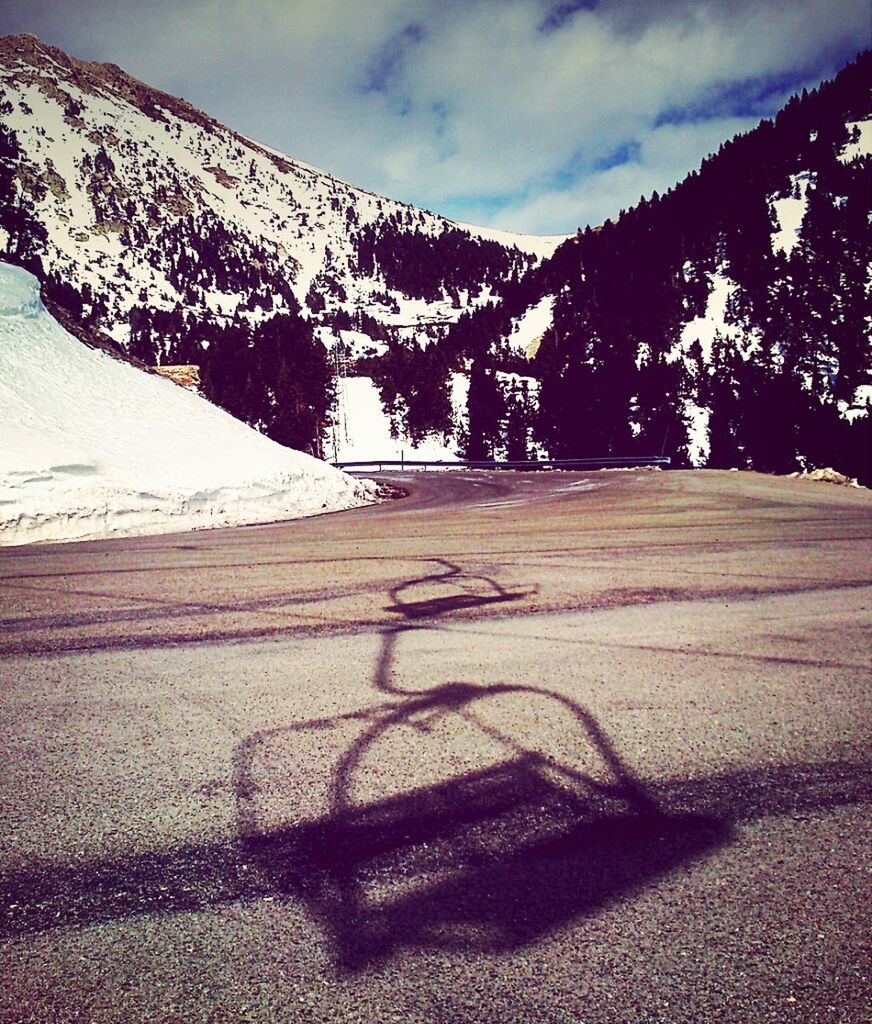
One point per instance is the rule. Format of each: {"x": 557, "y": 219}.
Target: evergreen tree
{"x": 26, "y": 234}
{"x": 519, "y": 422}
{"x": 303, "y": 391}
{"x": 486, "y": 407}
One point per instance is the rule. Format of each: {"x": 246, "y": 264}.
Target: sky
{"x": 530, "y": 115}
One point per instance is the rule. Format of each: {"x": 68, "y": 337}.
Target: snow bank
{"x": 92, "y": 447}
{"x": 826, "y": 475}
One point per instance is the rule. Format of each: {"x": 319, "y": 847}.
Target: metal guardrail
{"x": 608, "y": 462}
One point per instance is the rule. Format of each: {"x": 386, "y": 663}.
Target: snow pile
{"x": 826, "y": 476}
{"x": 92, "y": 447}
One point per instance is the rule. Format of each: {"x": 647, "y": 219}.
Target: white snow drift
{"x": 92, "y": 447}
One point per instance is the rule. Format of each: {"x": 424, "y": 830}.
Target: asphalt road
{"x": 518, "y": 747}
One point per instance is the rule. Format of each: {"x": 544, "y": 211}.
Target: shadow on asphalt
{"x": 489, "y": 859}
{"x": 462, "y": 590}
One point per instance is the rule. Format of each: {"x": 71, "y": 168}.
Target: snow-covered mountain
{"x": 164, "y": 221}
{"x": 725, "y": 322}
{"x": 91, "y": 446}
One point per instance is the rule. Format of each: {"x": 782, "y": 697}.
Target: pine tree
{"x": 26, "y": 234}
{"x": 519, "y": 422}
{"x": 486, "y": 407}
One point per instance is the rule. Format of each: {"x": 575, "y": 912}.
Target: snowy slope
{"x": 527, "y": 330}
{"x": 363, "y": 430}
{"x": 151, "y": 203}
{"x": 92, "y": 447}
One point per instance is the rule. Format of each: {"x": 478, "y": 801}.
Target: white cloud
{"x": 451, "y": 103}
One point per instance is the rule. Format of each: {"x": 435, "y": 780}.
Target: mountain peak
{"x": 91, "y": 77}
{"x": 154, "y": 206}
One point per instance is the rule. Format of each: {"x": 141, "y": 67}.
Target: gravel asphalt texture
{"x": 545, "y": 747}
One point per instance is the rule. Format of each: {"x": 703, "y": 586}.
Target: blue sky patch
{"x": 629, "y": 152}
{"x": 757, "y": 96}
{"x": 387, "y": 63}
{"x": 563, "y": 12}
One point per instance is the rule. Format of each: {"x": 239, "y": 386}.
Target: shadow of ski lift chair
{"x": 460, "y": 816}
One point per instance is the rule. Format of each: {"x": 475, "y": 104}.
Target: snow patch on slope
{"x": 698, "y": 442}
{"x": 789, "y": 212}
{"x": 542, "y": 246}
{"x": 92, "y": 447}
{"x": 715, "y": 324}
{"x": 528, "y": 329}
{"x": 860, "y": 143}
{"x": 860, "y": 404}
{"x": 363, "y": 430}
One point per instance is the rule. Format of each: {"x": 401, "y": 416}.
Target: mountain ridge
{"x": 699, "y": 323}
{"x": 207, "y": 171}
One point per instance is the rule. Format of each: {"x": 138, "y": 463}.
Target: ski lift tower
{"x": 340, "y": 370}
